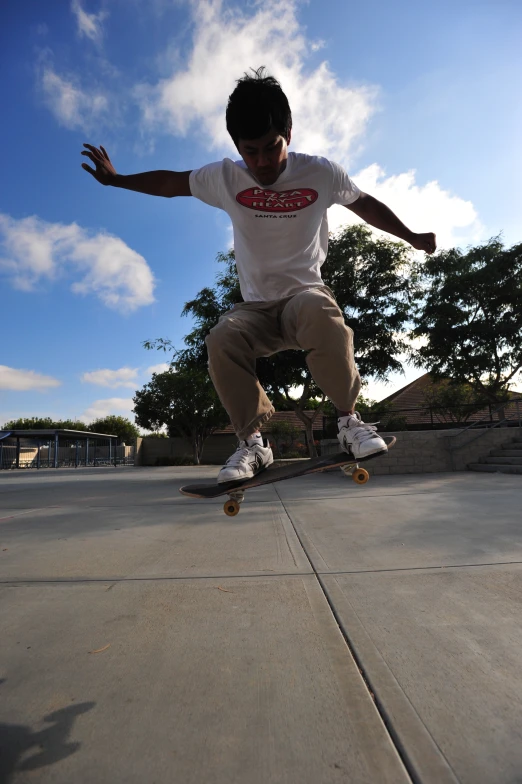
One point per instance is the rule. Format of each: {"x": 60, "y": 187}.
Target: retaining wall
{"x": 428, "y": 451}
{"x": 416, "y": 452}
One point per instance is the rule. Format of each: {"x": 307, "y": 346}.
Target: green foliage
{"x": 44, "y": 423}
{"x": 453, "y": 402}
{"x": 284, "y": 436}
{"x": 375, "y": 286}
{"x": 116, "y": 426}
{"x": 471, "y": 317}
{"x": 185, "y": 402}
{"x": 393, "y": 422}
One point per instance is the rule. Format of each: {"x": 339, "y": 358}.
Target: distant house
{"x": 281, "y": 416}
{"x": 410, "y": 404}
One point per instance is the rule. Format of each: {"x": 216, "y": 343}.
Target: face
{"x": 265, "y": 157}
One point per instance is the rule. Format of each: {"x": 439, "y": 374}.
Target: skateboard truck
{"x": 359, "y": 475}
{"x": 235, "y": 498}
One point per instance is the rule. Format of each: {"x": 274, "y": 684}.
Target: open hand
{"x": 105, "y": 171}
{"x": 426, "y": 242}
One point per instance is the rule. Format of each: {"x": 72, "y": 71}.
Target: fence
{"x": 66, "y": 454}
{"x": 439, "y": 417}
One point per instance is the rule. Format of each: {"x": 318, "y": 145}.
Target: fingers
{"x": 88, "y": 155}
{"x": 99, "y": 154}
{"x": 93, "y": 149}
{"x": 88, "y": 168}
{"x": 429, "y": 243}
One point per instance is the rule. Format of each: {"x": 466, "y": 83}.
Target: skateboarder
{"x": 277, "y": 202}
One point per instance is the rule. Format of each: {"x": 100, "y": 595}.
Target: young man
{"x": 277, "y": 202}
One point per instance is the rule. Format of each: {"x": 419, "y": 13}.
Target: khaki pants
{"x": 310, "y": 320}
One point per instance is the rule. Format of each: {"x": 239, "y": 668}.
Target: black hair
{"x": 256, "y": 105}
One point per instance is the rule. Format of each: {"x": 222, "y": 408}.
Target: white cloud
{"x": 119, "y": 406}
{"x": 34, "y": 251}
{"x": 23, "y": 380}
{"x": 123, "y": 377}
{"x": 89, "y": 25}
{"x": 73, "y": 107}
{"x": 328, "y": 117}
{"x": 162, "y": 367}
{"x": 421, "y": 207}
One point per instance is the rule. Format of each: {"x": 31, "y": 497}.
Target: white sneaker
{"x": 359, "y": 439}
{"x": 251, "y": 457}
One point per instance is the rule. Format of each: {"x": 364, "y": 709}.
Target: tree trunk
{"x": 196, "y": 451}
{"x": 309, "y": 432}
{"x": 308, "y": 423}
{"x": 308, "y": 427}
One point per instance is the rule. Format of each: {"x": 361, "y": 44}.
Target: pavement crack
{"x": 372, "y": 693}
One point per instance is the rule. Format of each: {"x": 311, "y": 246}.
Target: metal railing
{"x": 486, "y": 426}
{"x": 428, "y": 417}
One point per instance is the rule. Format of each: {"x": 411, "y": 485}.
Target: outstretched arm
{"x": 156, "y": 183}
{"x": 379, "y": 215}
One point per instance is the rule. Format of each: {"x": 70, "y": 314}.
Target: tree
{"x": 115, "y": 425}
{"x": 374, "y": 286}
{"x": 185, "y": 402}
{"x": 44, "y": 423}
{"x": 471, "y": 317}
{"x": 285, "y": 436}
{"x": 453, "y": 402}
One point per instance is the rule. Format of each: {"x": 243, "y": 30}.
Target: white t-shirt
{"x": 280, "y": 231}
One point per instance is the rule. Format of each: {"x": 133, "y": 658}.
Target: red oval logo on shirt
{"x": 265, "y": 200}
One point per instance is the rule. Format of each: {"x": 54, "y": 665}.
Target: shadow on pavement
{"x": 49, "y": 745}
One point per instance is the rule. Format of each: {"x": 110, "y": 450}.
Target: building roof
{"x": 72, "y": 434}
{"x": 280, "y": 416}
{"x": 410, "y": 403}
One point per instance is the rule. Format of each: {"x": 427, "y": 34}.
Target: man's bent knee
{"x": 219, "y": 336}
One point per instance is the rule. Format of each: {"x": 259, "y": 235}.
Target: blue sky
{"x": 418, "y": 100}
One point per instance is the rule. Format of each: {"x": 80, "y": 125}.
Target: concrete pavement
{"x": 329, "y": 633}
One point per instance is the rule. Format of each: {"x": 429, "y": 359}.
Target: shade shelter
{"x": 56, "y": 448}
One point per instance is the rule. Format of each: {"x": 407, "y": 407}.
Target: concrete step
{"x": 506, "y": 453}
{"x": 501, "y": 459}
{"x": 493, "y": 468}
{"x": 511, "y": 445}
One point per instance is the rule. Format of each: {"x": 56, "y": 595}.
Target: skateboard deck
{"x": 235, "y": 488}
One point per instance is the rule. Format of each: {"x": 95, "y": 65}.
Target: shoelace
{"x": 363, "y": 432}
{"x": 239, "y": 454}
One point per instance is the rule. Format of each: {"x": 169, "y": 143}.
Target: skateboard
{"x": 235, "y": 489}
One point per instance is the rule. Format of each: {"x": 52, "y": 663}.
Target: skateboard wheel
{"x": 231, "y": 508}
{"x": 360, "y": 476}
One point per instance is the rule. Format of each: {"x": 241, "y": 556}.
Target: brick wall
{"x": 428, "y": 451}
